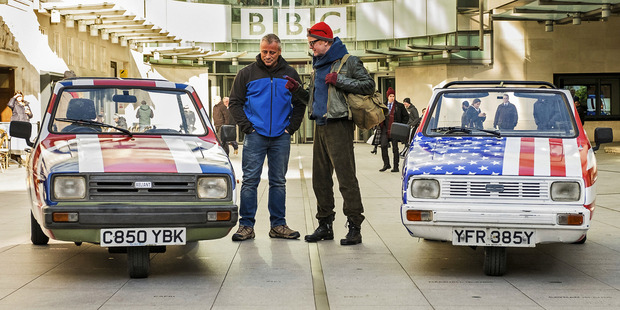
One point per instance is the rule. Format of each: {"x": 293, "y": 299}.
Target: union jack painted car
{"x": 512, "y": 167}
{"x": 133, "y": 165}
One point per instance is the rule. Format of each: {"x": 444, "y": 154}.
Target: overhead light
{"x": 123, "y": 41}
{"x": 55, "y": 18}
{"x": 577, "y": 19}
{"x": 606, "y": 10}
{"x": 420, "y": 56}
{"x": 174, "y": 59}
{"x": 98, "y": 20}
{"x": 156, "y": 55}
{"x": 69, "y": 21}
{"x": 105, "y": 35}
{"x": 445, "y": 54}
{"x": 549, "y": 26}
{"x": 235, "y": 61}
{"x": 94, "y": 31}
{"x": 81, "y": 25}
{"x": 201, "y": 61}
{"x": 114, "y": 38}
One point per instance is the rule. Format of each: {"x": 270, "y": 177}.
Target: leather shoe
{"x": 395, "y": 169}
{"x": 385, "y": 168}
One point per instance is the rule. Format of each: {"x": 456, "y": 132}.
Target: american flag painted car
{"x": 511, "y": 167}
{"x": 133, "y": 165}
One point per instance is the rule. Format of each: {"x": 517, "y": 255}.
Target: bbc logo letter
{"x": 255, "y": 23}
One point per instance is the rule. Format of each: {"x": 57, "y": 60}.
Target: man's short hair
{"x": 69, "y": 74}
{"x": 271, "y": 38}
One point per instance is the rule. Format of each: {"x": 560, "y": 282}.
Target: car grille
{"x": 123, "y": 187}
{"x": 534, "y": 190}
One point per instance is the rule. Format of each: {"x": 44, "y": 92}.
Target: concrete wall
{"x": 524, "y": 51}
{"x": 95, "y": 60}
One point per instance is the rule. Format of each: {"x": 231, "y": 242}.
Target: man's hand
{"x": 331, "y": 78}
{"x": 292, "y": 85}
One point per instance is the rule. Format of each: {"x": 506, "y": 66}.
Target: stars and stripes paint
{"x": 157, "y": 154}
{"x": 514, "y": 156}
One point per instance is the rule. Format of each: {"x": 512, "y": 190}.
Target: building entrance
{"x": 7, "y": 90}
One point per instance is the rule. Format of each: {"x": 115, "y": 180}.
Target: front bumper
{"x": 92, "y": 218}
{"x": 541, "y": 218}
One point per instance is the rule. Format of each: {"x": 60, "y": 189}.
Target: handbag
{"x": 367, "y": 111}
{"x": 371, "y": 139}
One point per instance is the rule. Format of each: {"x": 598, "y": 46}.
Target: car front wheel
{"x": 138, "y": 261}
{"x": 494, "y": 261}
{"x": 36, "y": 233}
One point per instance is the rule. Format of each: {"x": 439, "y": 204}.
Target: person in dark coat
{"x": 581, "y": 109}
{"x": 397, "y": 113}
{"x": 506, "y": 116}
{"x": 222, "y": 116}
{"x": 464, "y": 106}
{"x": 474, "y": 116}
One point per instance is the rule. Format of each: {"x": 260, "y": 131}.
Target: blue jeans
{"x": 277, "y": 150}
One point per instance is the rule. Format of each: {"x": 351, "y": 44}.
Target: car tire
{"x": 494, "y": 261}
{"x": 582, "y": 241}
{"x": 138, "y": 261}
{"x": 36, "y": 233}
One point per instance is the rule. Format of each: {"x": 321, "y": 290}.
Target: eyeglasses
{"x": 311, "y": 43}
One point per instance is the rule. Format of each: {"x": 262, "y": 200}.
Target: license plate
{"x": 494, "y": 237}
{"x": 142, "y": 236}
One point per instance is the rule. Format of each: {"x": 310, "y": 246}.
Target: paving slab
{"x": 389, "y": 270}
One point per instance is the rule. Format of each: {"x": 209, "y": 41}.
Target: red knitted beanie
{"x": 321, "y": 31}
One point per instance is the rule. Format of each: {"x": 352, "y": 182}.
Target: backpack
{"x": 367, "y": 111}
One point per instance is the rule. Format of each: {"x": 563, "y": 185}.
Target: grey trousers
{"x": 333, "y": 151}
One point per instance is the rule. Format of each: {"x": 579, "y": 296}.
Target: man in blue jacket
{"x": 268, "y": 115}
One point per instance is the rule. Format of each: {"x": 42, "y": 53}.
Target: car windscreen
{"x": 138, "y": 110}
{"x": 531, "y": 112}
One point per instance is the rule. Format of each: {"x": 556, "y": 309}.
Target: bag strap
{"x": 342, "y": 61}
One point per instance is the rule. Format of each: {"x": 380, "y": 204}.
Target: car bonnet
{"x": 512, "y": 156}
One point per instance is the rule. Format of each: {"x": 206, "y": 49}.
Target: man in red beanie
{"x": 333, "y": 134}
{"x": 397, "y": 113}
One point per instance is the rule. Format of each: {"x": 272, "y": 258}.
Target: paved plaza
{"x": 389, "y": 270}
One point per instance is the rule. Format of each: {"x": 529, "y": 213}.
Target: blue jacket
{"x": 259, "y": 101}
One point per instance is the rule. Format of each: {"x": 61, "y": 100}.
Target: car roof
{"x": 498, "y": 84}
{"x": 118, "y": 82}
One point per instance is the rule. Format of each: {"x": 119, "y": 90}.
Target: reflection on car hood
{"x": 155, "y": 154}
{"x": 516, "y": 156}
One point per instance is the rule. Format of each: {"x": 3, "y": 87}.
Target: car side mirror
{"x": 228, "y": 133}
{"x": 602, "y": 135}
{"x": 22, "y": 130}
{"x": 400, "y": 132}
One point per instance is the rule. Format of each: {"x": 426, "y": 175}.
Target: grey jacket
{"x": 353, "y": 78}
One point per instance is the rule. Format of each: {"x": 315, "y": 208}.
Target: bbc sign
{"x": 292, "y": 23}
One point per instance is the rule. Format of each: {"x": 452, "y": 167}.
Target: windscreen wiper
{"x": 94, "y": 123}
{"x": 465, "y": 130}
{"x": 493, "y": 132}
{"x": 451, "y": 129}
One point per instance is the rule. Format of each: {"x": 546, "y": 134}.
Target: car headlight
{"x": 69, "y": 187}
{"x": 565, "y": 191}
{"x": 425, "y": 188}
{"x": 212, "y": 188}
